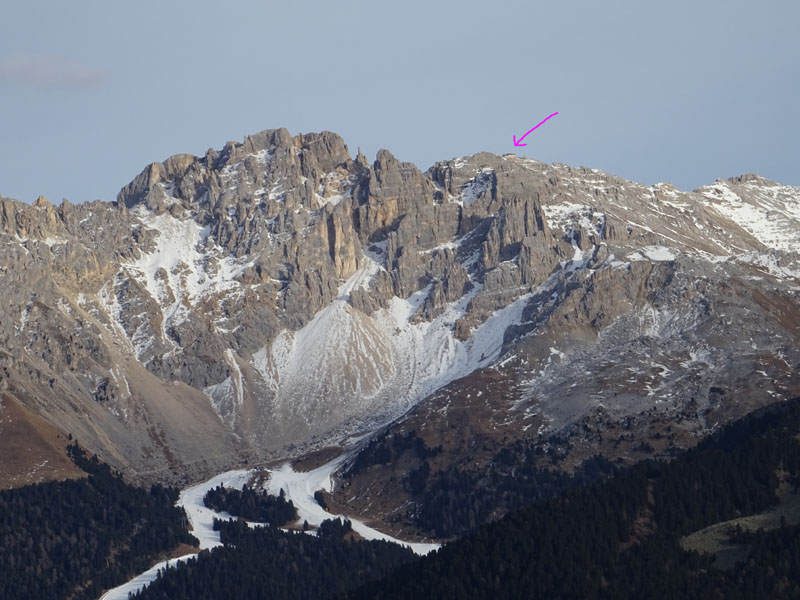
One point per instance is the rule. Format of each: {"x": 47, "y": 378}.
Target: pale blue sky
{"x": 680, "y": 91}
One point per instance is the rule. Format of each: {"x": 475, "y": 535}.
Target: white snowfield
{"x": 381, "y": 364}
{"x": 298, "y": 487}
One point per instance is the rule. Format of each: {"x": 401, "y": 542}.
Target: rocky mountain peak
{"x": 186, "y": 182}
{"x": 752, "y": 178}
{"x": 290, "y": 294}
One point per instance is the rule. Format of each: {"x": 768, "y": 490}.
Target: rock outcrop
{"x": 277, "y": 295}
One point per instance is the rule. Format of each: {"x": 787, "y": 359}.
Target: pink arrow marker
{"x": 517, "y": 142}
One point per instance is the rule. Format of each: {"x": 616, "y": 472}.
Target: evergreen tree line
{"x": 75, "y": 538}
{"x": 455, "y": 501}
{"x": 619, "y": 539}
{"x": 334, "y": 528}
{"x": 449, "y": 503}
{"x": 386, "y": 449}
{"x": 661, "y": 569}
{"x": 250, "y": 504}
{"x": 268, "y": 563}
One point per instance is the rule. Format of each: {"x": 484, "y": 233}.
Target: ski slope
{"x": 142, "y": 580}
{"x": 300, "y": 487}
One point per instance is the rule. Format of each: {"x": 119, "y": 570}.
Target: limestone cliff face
{"x": 279, "y": 294}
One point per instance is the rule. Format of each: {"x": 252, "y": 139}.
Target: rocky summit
{"x": 278, "y": 296}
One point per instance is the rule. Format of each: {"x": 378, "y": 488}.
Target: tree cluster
{"x": 269, "y": 563}
{"x": 619, "y": 539}
{"x": 250, "y": 504}
{"x": 75, "y": 538}
{"x": 334, "y": 528}
{"x": 385, "y": 449}
{"x": 455, "y": 501}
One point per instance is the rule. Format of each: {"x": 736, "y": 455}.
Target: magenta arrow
{"x": 517, "y": 141}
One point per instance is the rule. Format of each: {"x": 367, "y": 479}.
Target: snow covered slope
{"x": 770, "y": 212}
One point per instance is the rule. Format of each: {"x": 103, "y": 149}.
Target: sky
{"x": 678, "y": 91}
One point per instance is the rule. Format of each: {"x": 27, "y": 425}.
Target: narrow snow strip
{"x": 202, "y": 521}
{"x": 238, "y": 372}
{"x": 300, "y": 488}
{"x": 142, "y": 580}
{"x": 202, "y": 518}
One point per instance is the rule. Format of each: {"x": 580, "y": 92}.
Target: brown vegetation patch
{"x": 644, "y": 523}
{"x": 784, "y": 309}
{"x": 181, "y": 550}
{"x": 313, "y": 460}
{"x": 31, "y": 449}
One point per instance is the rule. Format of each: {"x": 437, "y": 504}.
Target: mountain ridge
{"x": 216, "y": 291}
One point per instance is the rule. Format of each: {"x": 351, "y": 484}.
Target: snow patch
{"x": 654, "y": 253}
{"x": 476, "y": 187}
{"x": 771, "y": 214}
{"x": 775, "y": 265}
{"x": 568, "y": 216}
{"x": 184, "y": 267}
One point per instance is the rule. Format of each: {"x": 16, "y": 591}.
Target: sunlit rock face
{"x": 278, "y": 295}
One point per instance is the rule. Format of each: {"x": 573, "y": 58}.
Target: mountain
{"x": 279, "y": 296}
